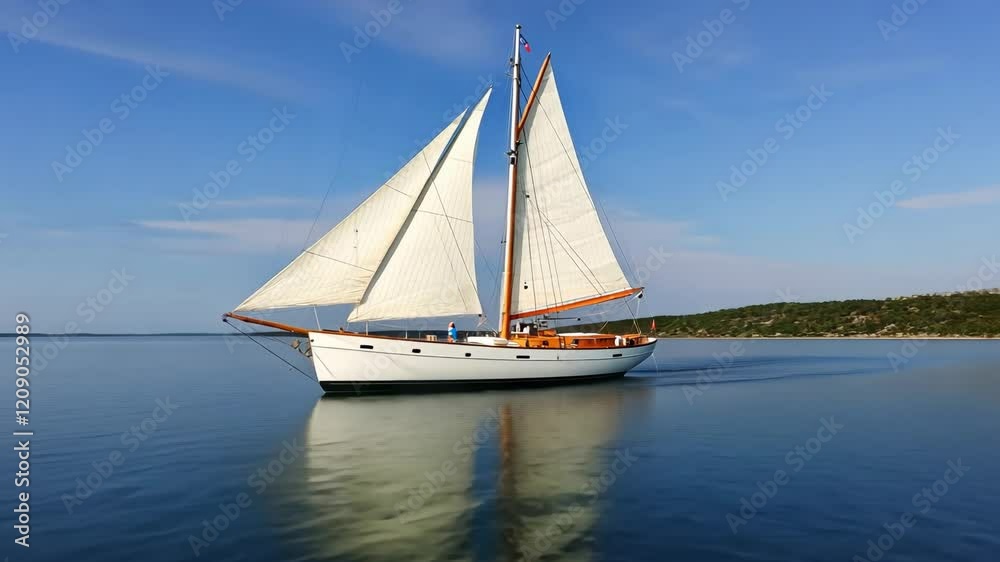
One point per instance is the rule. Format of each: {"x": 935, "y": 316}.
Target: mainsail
{"x": 562, "y": 257}
{"x": 408, "y": 240}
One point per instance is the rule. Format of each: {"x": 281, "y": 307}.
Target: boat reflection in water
{"x": 508, "y": 476}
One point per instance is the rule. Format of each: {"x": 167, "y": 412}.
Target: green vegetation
{"x": 970, "y": 314}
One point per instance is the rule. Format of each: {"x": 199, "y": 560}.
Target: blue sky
{"x": 197, "y": 85}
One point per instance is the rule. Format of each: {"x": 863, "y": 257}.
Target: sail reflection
{"x": 427, "y": 477}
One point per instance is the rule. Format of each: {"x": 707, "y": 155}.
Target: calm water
{"x": 807, "y": 449}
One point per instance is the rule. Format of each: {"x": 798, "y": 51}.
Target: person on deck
{"x": 452, "y": 332}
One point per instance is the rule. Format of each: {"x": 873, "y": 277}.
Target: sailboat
{"x": 408, "y": 252}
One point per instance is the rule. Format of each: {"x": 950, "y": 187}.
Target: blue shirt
{"x": 453, "y": 333}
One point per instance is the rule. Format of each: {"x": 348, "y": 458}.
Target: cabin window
{"x": 415, "y": 350}
{"x": 367, "y": 347}
{"x": 617, "y": 355}
{"x": 524, "y": 357}
{"x": 468, "y": 355}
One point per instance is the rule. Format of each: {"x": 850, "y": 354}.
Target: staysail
{"x": 430, "y": 269}
{"x": 373, "y": 251}
{"x": 561, "y": 257}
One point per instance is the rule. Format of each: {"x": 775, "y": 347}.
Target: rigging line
{"x": 539, "y": 246}
{"x": 635, "y": 321}
{"x": 636, "y": 296}
{"x": 553, "y": 268}
{"x": 608, "y": 311}
{"x": 496, "y": 280}
{"x": 489, "y": 267}
{"x": 565, "y": 150}
{"x": 582, "y": 183}
{"x": 579, "y": 173}
{"x": 614, "y": 235}
{"x": 510, "y": 95}
{"x": 336, "y": 168}
{"x": 521, "y": 89}
{"x": 623, "y": 304}
{"x": 500, "y": 258}
{"x": 539, "y": 231}
{"x": 454, "y": 237}
{"x": 526, "y": 232}
{"x": 274, "y": 339}
{"x": 547, "y": 240}
{"x": 539, "y": 234}
{"x": 357, "y": 386}
{"x": 550, "y": 247}
{"x": 265, "y": 348}
{"x": 525, "y": 78}
{"x": 311, "y": 253}
{"x": 445, "y": 215}
{"x": 394, "y": 245}
{"x": 531, "y": 260}
{"x": 527, "y": 242}
{"x": 451, "y": 264}
{"x": 564, "y": 243}
{"x": 494, "y": 271}
{"x": 566, "y": 246}
{"x": 525, "y": 213}
{"x": 448, "y": 218}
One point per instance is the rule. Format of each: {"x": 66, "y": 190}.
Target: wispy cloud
{"x": 266, "y": 202}
{"x": 859, "y": 73}
{"x": 983, "y": 196}
{"x": 76, "y": 35}
{"x": 636, "y": 230}
{"x": 229, "y": 236}
{"x": 667, "y": 38}
{"x": 694, "y": 108}
{"x": 461, "y": 32}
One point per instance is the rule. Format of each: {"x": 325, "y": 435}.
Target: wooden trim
{"x": 577, "y": 304}
{"x": 396, "y": 338}
{"x": 306, "y": 331}
{"x": 268, "y": 323}
{"x": 534, "y": 93}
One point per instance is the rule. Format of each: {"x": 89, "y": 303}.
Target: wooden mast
{"x": 508, "y": 261}
{"x": 517, "y": 121}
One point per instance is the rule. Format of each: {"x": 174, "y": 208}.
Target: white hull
{"x": 358, "y": 363}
